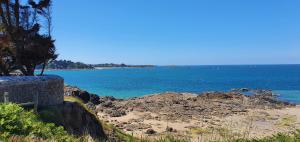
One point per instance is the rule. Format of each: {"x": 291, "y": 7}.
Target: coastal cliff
{"x": 75, "y": 119}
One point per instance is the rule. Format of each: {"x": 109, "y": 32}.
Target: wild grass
{"x": 287, "y": 120}
{"x": 280, "y": 137}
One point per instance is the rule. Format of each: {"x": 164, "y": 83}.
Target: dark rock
{"x": 107, "y": 104}
{"x": 115, "y": 113}
{"x": 94, "y": 99}
{"x": 240, "y": 90}
{"x": 107, "y": 98}
{"x": 170, "y": 129}
{"x": 150, "y": 132}
{"x": 83, "y": 95}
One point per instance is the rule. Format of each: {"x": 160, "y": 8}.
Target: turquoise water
{"x": 132, "y": 82}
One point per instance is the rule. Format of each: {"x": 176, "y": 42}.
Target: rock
{"x": 169, "y": 129}
{"x": 150, "y": 132}
{"x": 94, "y": 99}
{"x": 77, "y": 121}
{"x": 90, "y": 106}
{"x": 81, "y": 94}
{"x": 240, "y": 90}
{"x": 107, "y": 104}
{"x": 117, "y": 113}
{"x": 107, "y": 98}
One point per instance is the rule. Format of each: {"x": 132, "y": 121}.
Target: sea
{"x": 284, "y": 80}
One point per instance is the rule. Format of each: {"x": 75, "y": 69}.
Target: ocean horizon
{"x": 284, "y": 80}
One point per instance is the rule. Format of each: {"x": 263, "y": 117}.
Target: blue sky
{"x": 178, "y": 32}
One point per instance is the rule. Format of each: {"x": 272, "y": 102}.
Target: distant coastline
{"x": 70, "y": 65}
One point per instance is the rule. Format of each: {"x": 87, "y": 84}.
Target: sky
{"x": 178, "y": 32}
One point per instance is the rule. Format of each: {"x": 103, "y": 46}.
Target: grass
{"x": 280, "y": 137}
{"x": 199, "y": 131}
{"x": 287, "y": 120}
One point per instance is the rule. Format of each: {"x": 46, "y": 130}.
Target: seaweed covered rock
{"x": 81, "y": 94}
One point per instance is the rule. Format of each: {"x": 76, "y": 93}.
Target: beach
{"x": 198, "y": 117}
{"x": 256, "y": 123}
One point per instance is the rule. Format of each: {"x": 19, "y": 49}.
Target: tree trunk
{"x": 43, "y": 69}
{"x": 31, "y": 71}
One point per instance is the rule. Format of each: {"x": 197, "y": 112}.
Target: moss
{"x": 73, "y": 99}
{"x": 286, "y": 121}
{"x": 199, "y": 131}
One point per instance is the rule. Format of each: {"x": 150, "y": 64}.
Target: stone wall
{"x": 22, "y": 89}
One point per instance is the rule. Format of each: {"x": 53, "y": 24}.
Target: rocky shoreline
{"x": 184, "y": 113}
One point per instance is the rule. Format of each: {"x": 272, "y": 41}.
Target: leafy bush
{"x": 15, "y": 121}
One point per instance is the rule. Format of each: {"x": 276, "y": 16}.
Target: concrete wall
{"x": 22, "y": 89}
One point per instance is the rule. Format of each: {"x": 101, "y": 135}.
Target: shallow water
{"x": 132, "y": 82}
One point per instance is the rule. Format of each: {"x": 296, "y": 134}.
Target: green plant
{"x": 170, "y": 138}
{"x": 15, "y": 121}
{"x": 280, "y": 137}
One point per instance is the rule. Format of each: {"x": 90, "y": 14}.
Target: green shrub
{"x": 15, "y": 121}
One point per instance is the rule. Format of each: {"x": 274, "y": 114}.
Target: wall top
{"x": 8, "y": 80}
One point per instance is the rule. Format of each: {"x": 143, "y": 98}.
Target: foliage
{"x": 169, "y": 138}
{"x": 281, "y": 137}
{"x": 64, "y": 64}
{"x": 166, "y": 138}
{"x": 15, "y": 121}
{"x": 23, "y": 45}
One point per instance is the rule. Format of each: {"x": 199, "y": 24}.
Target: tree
{"x": 7, "y": 62}
{"x": 22, "y": 25}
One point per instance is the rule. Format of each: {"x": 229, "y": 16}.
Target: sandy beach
{"x": 256, "y": 123}
{"x": 196, "y": 117}
{"x": 211, "y": 117}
